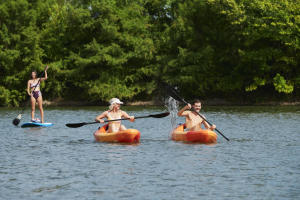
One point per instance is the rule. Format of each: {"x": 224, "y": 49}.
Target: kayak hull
{"x": 204, "y": 136}
{"x": 35, "y": 124}
{"x": 126, "y": 136}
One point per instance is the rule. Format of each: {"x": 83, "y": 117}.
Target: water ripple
{"x": 260, "y": 162}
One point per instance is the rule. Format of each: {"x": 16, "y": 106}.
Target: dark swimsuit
{"x": 36, "y": 94}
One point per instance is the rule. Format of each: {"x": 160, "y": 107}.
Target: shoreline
{"x": 211, "y": 102}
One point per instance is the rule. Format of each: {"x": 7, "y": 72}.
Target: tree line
{"x": 99, "y": 49}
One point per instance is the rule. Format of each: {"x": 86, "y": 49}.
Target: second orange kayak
{"x": 126, "y": 136}
{"x": 202, "y": 136}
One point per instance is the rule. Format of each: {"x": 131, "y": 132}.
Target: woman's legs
{"x": 116, "y": 127}
{"x": 122, "y": 128}
{"x": 113, "y": 127}
{"x": 32, "y": 99}
{"x": 40, "y": 103}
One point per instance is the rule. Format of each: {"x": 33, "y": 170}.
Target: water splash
{"x": 172, "y": 106}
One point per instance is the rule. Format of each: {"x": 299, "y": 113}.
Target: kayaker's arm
{"x": 125, "y": 115}
{"x": 207, "y": 126}
{"x": 182, "y": 113}
{"x": 99, "y": 118}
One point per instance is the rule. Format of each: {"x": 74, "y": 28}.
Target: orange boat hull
{"x": 126, "y": 136}
{"x": 202, "y": 136}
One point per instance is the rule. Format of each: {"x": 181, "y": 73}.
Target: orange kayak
{"x": 126, "y": 136}
{"x": 202, "y": 136}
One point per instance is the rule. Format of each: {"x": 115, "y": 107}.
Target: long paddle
{"x": 173, "y": 93}
{"x": 17, "y": 120}
{"x": 76, "y": 125}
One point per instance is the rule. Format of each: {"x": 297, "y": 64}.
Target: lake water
{"x": 261, "y": 160}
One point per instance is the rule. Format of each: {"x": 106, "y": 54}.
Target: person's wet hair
{"x": 196, "y": 101}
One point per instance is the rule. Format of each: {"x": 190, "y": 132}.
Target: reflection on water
{"x": 261, "y": 161}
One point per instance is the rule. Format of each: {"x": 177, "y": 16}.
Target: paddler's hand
{"x": 188, "y": 107}
{"x": 131, "y": 118}
{"x": 213, "y": 127}
{"x": 46, "y": 68}
{"x": 100, "y": 120}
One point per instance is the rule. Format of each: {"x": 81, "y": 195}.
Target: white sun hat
{"x": 115, "y": 100}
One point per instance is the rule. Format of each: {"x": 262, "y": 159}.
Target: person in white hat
{"x": 114, "y": 112}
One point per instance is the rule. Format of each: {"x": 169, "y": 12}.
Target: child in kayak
{"x": 33, "y": 90}
{"x": 114, "y": 112}
{"x": 192, "y": 120}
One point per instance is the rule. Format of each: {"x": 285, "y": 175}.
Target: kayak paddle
{"x": 174, "y": 94}
{"x": 76, "y": 125}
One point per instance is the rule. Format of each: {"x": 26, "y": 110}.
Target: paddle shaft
{"x": 127, "y": 118}
{"x": 76, "y": 125}
{"x": 112, "y": 120}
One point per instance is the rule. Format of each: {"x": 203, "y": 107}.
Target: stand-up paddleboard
{"x": 35, "y": 124}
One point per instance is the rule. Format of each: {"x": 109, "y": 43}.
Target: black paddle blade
{"x": 16, "y": 121}
{"x": 75, "y": 125}
{"x": 173, "y": 93}
{"x": 161, "y": 115}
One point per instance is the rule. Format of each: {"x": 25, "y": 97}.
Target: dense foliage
{"x": 98, "y": 49}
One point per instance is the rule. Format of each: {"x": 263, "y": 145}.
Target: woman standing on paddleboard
{"x": 33, "y": 90}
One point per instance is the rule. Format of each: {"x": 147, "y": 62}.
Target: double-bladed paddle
{"x": 77, "y": 125}
{"x": 174, "y": 94}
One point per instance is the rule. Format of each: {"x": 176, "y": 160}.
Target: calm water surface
{"x": 262, "y": 160}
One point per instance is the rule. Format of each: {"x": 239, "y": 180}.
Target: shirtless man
{"x": 114, "y": 112}
{"x": 192, "y": 120}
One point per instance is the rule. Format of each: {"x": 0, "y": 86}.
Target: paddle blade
{"x": 173, "y": 93}
{"x": 161, "y": 115}
{"x": 17, "y": 120}
{"x": 76, "y": 125}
